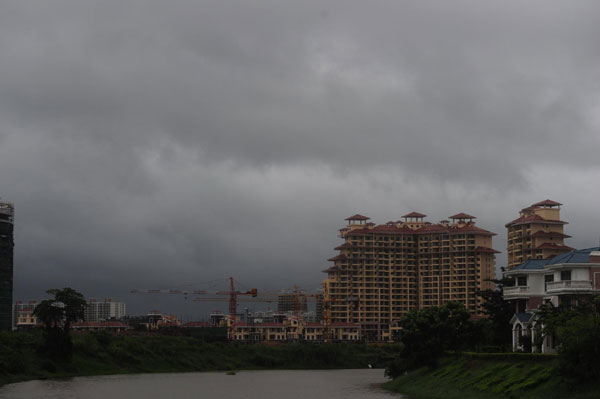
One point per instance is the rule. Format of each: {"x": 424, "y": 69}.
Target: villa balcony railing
{"x": 511, "y": 292}
{"x": 568, "y": 286}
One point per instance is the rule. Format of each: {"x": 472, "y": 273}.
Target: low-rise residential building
{"x": 566, "y": 279}
{"x": 23, "y": 315}
{"x": 293, "y": 329}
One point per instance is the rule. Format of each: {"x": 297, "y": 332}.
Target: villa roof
{"x": 523, "y": 317}
{"x": 576, "y": 256}
{"x": 532, "y": 264}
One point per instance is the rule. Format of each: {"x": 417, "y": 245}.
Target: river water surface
{"x": 292, "y": 384}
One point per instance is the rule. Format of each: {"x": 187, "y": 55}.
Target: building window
{"x": 548, "y": 278}
{"x": 522, "y": 281}
{"x": 565, "y": 275}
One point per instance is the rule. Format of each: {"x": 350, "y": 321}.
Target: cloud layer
{"x": 148, "y": 144}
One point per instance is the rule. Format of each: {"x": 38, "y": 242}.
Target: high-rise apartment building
{"x": 384, "y": 271}
{"x": 6, "y": 264}
{"x": 105, "y": 310}
{"x": 536, "y": 234}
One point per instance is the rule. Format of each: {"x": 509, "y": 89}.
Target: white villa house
{"x": 564, "y": 279}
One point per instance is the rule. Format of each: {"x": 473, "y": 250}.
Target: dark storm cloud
{"x": 150, "y": 144}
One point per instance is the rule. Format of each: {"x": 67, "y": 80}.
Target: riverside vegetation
{"x": 99, "y": 353}
{"x": 423, "y": 368}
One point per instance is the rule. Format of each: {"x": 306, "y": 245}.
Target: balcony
{"x": 569, "y": 286}
{"x": 521, "y": 291}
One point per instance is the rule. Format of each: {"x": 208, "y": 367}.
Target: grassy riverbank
{"x": 491, "y": 377}
{"x": 98, "y": 354}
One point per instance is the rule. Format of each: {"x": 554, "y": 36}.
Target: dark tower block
{"x": 6, "y": 264}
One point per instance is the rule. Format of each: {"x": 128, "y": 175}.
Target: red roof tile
{"x": 358, "y": 217}
{"x": 332, "y": 269}
{"x": 345, "y": 245}
{"x": 470, "y": 228}
{"x": 552, "y": 234}
{"x": 549, "y": 245}
{"x": 358, "y": 232}
{"x": 338, "y": 257}
{"x": 533, "y": 219}
{"x": 432, "y": 228}
{"x": 414, "y": 215}
{"x": 486, "y": 249}
{"x": 390, "y": 229}
{"x": 462, "y": 216}
{"x": 547, "y": 203}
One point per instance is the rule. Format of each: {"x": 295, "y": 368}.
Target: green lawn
{"x": 471, "y": 377}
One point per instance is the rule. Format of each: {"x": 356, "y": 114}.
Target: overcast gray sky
{"x": 157, "y": 144}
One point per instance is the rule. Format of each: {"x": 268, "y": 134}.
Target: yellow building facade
{"x": 538, "y": 233}
{"x": 384, "y": 271}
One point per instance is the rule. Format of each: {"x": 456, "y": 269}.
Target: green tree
{"x": 576, "y": 331}
{"x": 428, "y": 332}
{"x": 496, "y": 326}
{"x": 57, "y": 315}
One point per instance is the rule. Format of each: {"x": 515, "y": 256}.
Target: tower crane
{"x": 232, "y": 293}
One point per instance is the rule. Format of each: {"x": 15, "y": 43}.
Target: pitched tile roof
{"x": 462, "y": 216}
{"x": 576, "y": 256}
{"x": 533, "y": 219}
{"x": 357, "y": 217}
{"x": 532, "y": 264}
{"x": 551, "y": 245}
{"x": 553, "y": 234}
{"x": 488, "y": 250}
{"x": 414, "y": 215}
{"x": 547, "y": 203}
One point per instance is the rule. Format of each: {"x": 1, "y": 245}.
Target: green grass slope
{"x": 490, "y": 377}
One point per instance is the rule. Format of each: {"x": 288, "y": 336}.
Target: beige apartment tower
{"x": 536, "y": 234}
{"x": 384, "y": 271}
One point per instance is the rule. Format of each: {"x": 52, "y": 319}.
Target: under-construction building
{"x": 6, "y": 264}
{"x": 384, "y": 271}
{"x": 536, "y": 234}
{"x": 292, "y": 302}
